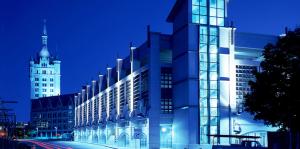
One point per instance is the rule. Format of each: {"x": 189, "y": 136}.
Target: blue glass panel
{"x": 213, "y": 103}
{"x": 213, "y": 84}
{"x": 203, "y": 2}
{"x": 220, "y": 13}
{"x": 213, "y": 58}
{"x": 213, "y": 40}
{"x": 203, "y": 19}
{"x": 203, "y": 75}
{"x": 203, "y": 11}
{"x": 203, "y": 93}
{"x": 203, "y": 47}
{"x": 195, "y": 18}
{"x": 195, "y": 9}
{"x": 213, "y": 76}
{"x": 213, "y": 21}
{"x": 213, "y": 3}
{"x": 213, "y": 12}
{"x": 213, "y": 122}
{"x": 203, "y": 84}
{"x": 203, "y": 57}
{"x": 213, "y": 93}
{"x": 203, "y": 30}
{"x": 220, "y": 4}
{"x": 221, "y": 21}
{"x": 203, "y": 66}
{"x": 213, "y": 31}
{"x": 203, "y": 39}
{"x": 204, "y": 119}
{"x": 213, "y": 49}
{"x": 195, "y": 2}
{"x": 213, "y": 112}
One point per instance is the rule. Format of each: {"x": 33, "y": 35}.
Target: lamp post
{"x": 37, "y": 132}
{"x": 55, "y": 131}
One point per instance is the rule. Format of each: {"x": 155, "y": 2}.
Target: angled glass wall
{"x": 209, "y": 15}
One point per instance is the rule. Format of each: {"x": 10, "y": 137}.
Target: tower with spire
{"x": 44, "y": 71}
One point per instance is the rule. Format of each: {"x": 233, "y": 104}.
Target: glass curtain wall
{"x": 209, "y": 15}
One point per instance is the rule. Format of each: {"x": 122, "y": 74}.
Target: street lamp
{"x": 37, "y": 132}
{"x": 55, "y": 131}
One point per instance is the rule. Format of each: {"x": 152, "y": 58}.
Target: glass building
{"x": 182, "y": 90}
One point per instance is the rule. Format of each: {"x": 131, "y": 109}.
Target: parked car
{"x": 245, "y": 144}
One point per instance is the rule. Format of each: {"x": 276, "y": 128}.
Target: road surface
{"x": 39, "y": 144}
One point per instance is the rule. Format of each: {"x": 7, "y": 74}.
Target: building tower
{"x": 44, "y": 71}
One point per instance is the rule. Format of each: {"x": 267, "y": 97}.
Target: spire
{"x": 44, "y": 36}
{"x": 44, "y": 52}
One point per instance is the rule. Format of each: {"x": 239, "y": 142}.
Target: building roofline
{"x": 174, "y": 10}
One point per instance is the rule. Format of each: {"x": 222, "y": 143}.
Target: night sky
{"x": 87, "y": 35}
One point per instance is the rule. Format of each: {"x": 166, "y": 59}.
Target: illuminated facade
{"x": 44, "y": 72}
{"x": 178, "y": 90}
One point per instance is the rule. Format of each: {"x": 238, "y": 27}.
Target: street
{"x": 39, "y": 144}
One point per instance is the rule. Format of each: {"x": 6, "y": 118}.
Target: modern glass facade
{"x": 209, "y": 14}
{"x": 174, "y": 91}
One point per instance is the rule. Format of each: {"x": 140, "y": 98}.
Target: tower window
{"x": 51, "y": 79}
{"x": 36, "y": 95}
{"x": 44, "y": 72}
{"x": 44, "y": 84}
{"x": 44, "y": 90}
{"x": 36, "y": 89}
{"x": 44, "y": 79}
{"x": 44, "y": 65}
{"x": 36, "y": 79}
{"x": 51, "y": 90}
{"x": 36, "y": 84}
{"x": 51, "y": 85}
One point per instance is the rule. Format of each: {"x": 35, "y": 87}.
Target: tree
{"x": 275, "y": 94}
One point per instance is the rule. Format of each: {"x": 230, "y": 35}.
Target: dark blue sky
{"x": 87, "y": 35}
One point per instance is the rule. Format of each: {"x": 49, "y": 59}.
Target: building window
{"x": 243, "y": 76}
{"x": 44, "y": 95}
{"x": 44, "y": 85}
{"x": 44, "y": 79}
{"x": 36, "y": 84}
{"x": 51, "y": 79}
{"x": 44, "y": 71}
{"x": 44, "y": 65}
{"x": 37, "y": 72}
{"x": 44, "y": 90}
{"x": 36, "y": 79}
{"x": 166, "y": 80}
{"x": 51, "y": 90}
{"x": 51, "y": 85}
{"x": 36, "y": 95}
{"x": 166, "y": 106}
{"x": 36, "y": 89}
